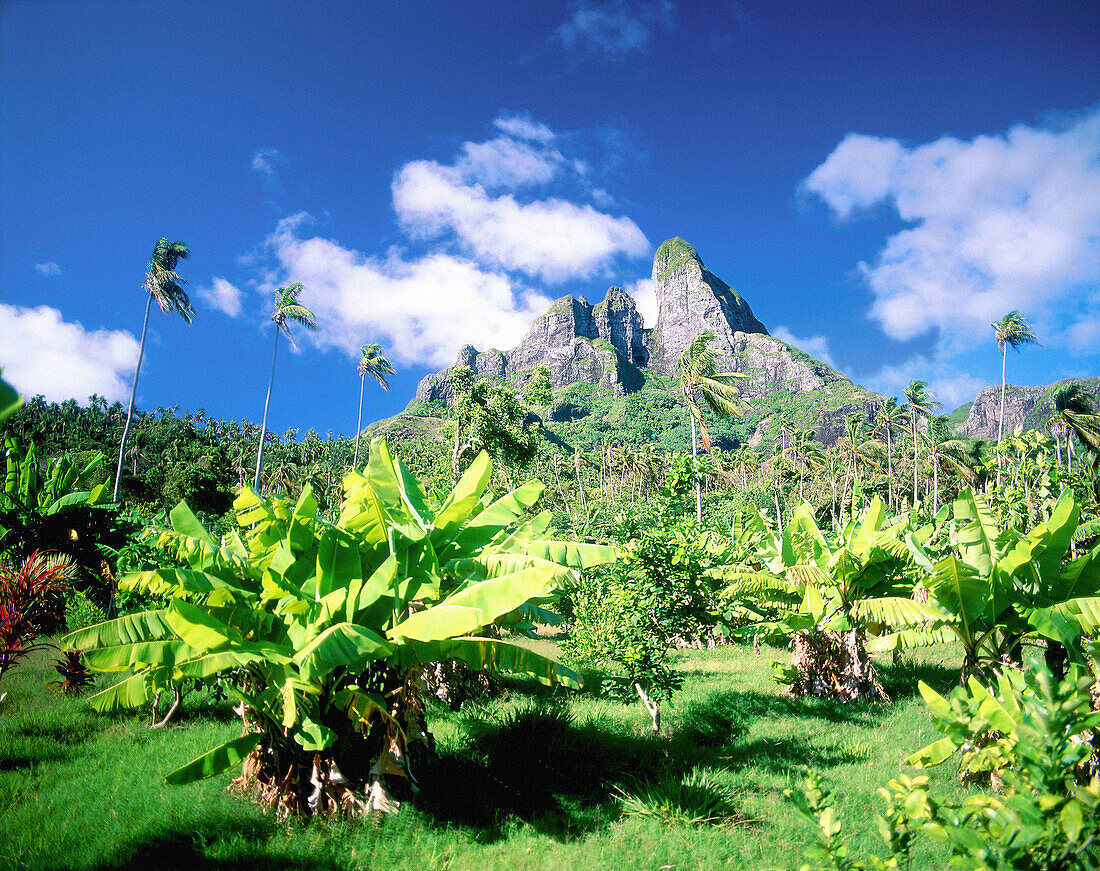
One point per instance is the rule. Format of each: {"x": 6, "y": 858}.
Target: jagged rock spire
{"x": 691, "y": 298}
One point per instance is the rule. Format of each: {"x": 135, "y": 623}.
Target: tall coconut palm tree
{"x": 699, "y": 376}
{"x": 921, "y": 404}
{"x": 372, "y": 363}
{"x": 166, "y": 287}
{"x": 287, "y": 311}
{"x": 1010, "y": 331}
{"x": 890, "y": 417}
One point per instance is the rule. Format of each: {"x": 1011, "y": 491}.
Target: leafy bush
{"x": 30, "y": 601}
{"x": 1043, "y": 818}
{"x": 321, "y": 629}
{"x": 81, "y": 612}
{"x": 627, "y": 617}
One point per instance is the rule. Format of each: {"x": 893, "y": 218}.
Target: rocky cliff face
{"x": 575, "y": 340}
{"x": 690, "y": 298}
{"x": 606, "y": 345}
{"x": 1027, "y": 407}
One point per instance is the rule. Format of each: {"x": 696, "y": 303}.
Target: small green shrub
{"x": 80, "y": 612}
{"x": 1045, "y": 817}
{"x": 698, "y": 799}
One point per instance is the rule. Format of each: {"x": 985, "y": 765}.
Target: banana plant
{"x": 320, "y": 629}
{"x": 64, "y": 484}
{"x": 826, "y": 593}
{"x": 1000, "y": 585}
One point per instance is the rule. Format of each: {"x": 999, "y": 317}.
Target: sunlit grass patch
{"x": 699, "y": 798}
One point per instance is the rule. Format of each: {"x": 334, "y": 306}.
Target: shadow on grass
{"x": 900, "y": 679}
{"x": 36, "y": 742}
{"x": 164, "y": 850}
{"x": 539, "y": 765}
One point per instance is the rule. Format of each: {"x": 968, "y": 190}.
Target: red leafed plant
{"x": 75, "y": 677}
{"x": 30, "y": 597}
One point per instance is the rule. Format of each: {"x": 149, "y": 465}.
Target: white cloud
{"x": 222, "y": 296}
{"x": 524, "y": 127}
{"x": 998, "y": 223}
{"x": 265, "y": 162}
{"x": 947, "y": 385}
{"x": 553, "y": 239}
{"x": 423, "y": 310}
{"x": 49, "y": 269}
{"x": 615, "y": 28}
{"x": 645, "y": 299}
{"x": 815, "y": 346}
{"x": 508, "y": 163}
{"x": 42, "y": 353}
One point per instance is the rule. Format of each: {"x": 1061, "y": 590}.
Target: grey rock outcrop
{"x": 690, "y": 298}
{"x": 1026, "y": 407}
{"x": 575, "y": 340}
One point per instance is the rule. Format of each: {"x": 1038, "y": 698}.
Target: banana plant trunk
{"x": 263, "y": 426}
{"x": 133, "y": 393}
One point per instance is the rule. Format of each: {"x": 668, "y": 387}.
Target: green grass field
{"x": 533, "y": 779}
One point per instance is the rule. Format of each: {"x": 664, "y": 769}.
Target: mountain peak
{"x": 691, "y": 298}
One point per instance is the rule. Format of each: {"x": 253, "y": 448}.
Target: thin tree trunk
{"x": 889, "y": 469}
{"x": 695, "y": 469}
{"x": 915, "y": 459}
{"x": 936, "y": 485}
{"x": 263, "y": 425}
{"x": 580, "y": 481}
{"x": 1001, "y": 424}
{"x": 1058, "y": 445}
{"x": 133, "y": 393}
{"x": 778, "y": 515}
{"x": 359, "y": 423}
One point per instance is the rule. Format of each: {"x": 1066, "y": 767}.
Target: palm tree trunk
{"x": 359, "y": 422}
{"x": 915, "y": 458}
{"x": 936, "y": 484}
{"x": 580, "y": 480}
{"x": 133, "y": 393}
{"x": 1058, "y": 445}
{"x": 1001, "y": 424}
{"x": 889, "y": 469}
{"x": 695, "y": 469}
{"x": 263, "y": 425}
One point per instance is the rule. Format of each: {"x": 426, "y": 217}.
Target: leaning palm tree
{"x": 921, "y": 404}
{"x": 699, "y": 376}
{"x": 378, "y": 367}
{"x": 287, "y": 310}
{"x": 166, "y": 287}
{"x": 1010, "y": 331}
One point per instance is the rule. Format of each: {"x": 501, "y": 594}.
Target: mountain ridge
{"x": 606, "y": 345}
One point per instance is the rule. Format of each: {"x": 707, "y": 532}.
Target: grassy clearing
{"x": 536, "y": 779}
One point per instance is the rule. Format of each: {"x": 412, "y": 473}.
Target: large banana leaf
{"x": 978, "y": 538}
{"x": 959, "y": 589}
{"x": 898, "y": 612}
{"x": 215, "y": 761}
{"x": 461, "y": 501}
{"x": 344, "y": 645}
{"x": 146, "y": 626}
{"x": 488, "y": 653}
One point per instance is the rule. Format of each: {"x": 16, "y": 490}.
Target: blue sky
{"x": 879, "y": 180}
